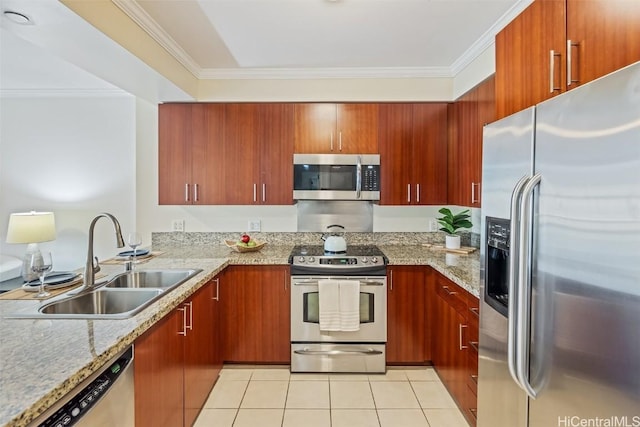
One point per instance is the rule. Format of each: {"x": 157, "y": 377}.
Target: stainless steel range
{"x": 315, "y": 278}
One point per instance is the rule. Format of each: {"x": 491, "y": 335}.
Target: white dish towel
{"x": 339, "y": 305}
{"x": 349, "y": 305}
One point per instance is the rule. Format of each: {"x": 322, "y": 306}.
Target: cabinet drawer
{"x": 453, "y": 294}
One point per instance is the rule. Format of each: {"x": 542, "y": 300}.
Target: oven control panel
{"x": 334, "y": 261}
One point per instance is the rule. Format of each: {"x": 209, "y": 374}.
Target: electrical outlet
{"x": 177, "y": 225}
{"x": 433, "y": 224}
{"x": 254, "y": 225}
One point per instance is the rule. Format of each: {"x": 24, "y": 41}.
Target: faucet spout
{"x": 92, "y": 268}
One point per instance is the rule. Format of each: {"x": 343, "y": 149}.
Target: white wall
{"x": 75, "y": 157}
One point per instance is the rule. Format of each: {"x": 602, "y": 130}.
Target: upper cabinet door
{"x": 276, "y": 162}
{"x": 604, "y": 36}
{"x": 357, "y": 128}
{"x": 241, "y": 154}
{"x": 315, "y": 128}
{"x": 336, "y": 128}
{"x": 429, "y": 156}
{"x": 530, "y": 53}
{"x": 396, "y": 142}
{"x": 207, "y": 171}
{"x": 174, "y": 154}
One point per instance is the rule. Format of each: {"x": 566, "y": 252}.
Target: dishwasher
{"x": 106, "y": 398}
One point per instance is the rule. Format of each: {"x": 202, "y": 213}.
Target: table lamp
{"x": 32, "y": 228}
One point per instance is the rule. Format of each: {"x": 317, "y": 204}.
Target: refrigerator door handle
{"x": 524, "y": 288}
{"x": 514, "y": 241}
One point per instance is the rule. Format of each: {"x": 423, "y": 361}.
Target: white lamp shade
{"x": 31, "y": 227}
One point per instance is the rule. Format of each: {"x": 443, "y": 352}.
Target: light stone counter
{"x": 42, "y": 360}
{"x": 464, "y": 270}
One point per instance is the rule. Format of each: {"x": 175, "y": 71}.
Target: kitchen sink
{"x": 161, "y": 279}
{"x": 107, "y": 303}
{"x": 123, "y": 296}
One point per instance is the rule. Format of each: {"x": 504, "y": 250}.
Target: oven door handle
{"x": 315, "y": 283}
{"x": 367, "y": 352}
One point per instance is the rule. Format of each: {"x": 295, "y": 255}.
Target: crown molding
{"x": 63, "y": 93}
{"x": 488, "y": 38}
{"x": 151, "y": 27}
{"x": 324, "y": 73}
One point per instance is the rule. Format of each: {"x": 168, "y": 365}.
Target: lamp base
{"x": 27, "y": 274}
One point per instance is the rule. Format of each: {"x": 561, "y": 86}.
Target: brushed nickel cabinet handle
{"x": 264, "y": 192}
{"x": 417, "y": 193}
{"x": 391, "y": 280}
{"x": 189, "y": 326}
{"x": 408, "y": 193}
{"x": 217, "y": 297}
{"x": 195, "y": 192}
{"x": 570, "y": 79}
{"x": 460, "y": 328}
{"x": 552, "y": 71}
{"x": 183, "y": 332}
{"x": 331, "y": 142}
{"x": 255, "y": 191}
{"x": 340, "y": 141}
{"x": 186, "y": 192}
{"x": 450, "y": 293}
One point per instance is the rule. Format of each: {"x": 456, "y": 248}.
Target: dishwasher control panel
{"x": 84, "y": 400}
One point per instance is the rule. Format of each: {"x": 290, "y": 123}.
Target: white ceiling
{"x": 311, "y": 38}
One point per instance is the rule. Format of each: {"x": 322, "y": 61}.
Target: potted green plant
{"x": 451, "y": 224}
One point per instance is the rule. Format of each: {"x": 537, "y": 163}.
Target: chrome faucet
{"x": 90, "y": 268}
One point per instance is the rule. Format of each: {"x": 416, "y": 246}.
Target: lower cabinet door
{"x": 256, "y": 303}
{"x": 406, "y": 315}
{"x": 158, "y": 363}
{"x": 199, "y": 357}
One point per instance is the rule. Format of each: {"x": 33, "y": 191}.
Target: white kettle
{"x": 334, "y": 241}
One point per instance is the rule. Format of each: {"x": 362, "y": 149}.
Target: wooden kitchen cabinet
{"x": 413, "y": 153}
{"x": 467, "y": 117}
{"x": 256, "y": 303}
{"x": 225, "y": 154}
{"x": 336, "y": 128}
{"x": 532, "y": 52}
{"x": 406, "y": 315}
{"x": 258, "y": 154}
{"x": 158, "y": 375}
{"x": 175, "y": 363}
{"x": 201, "y": 351}
{"x": 190, "y": 138}
{"x": 454, "y": 329}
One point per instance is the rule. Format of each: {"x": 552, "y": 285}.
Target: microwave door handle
{"x": 358, "y": 177}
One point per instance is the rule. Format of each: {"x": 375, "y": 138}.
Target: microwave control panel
{"x": 371, "y": 178}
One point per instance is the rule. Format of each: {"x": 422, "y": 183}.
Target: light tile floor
{"x": 265, "y": 397}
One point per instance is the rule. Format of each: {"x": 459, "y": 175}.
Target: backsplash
{"x": 172, "y": 239}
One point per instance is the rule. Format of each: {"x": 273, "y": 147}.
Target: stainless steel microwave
{"x": 336, "y": 176}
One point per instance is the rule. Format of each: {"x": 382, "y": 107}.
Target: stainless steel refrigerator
{"x": 560, "y": 261}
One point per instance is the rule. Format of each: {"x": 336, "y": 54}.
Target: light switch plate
{"x": 254, "y": 225}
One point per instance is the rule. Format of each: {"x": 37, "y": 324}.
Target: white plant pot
{"x": 452, "y": 242}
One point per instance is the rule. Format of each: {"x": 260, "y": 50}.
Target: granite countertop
{"x": 41, "y": 360}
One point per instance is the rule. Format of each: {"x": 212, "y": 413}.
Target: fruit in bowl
{"x": 245, "y": 244}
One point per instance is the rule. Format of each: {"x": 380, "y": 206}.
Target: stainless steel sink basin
{"x": 104, "y": 303}
{"x": 162, "y": 279}
{"x": 123, "y": 296}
